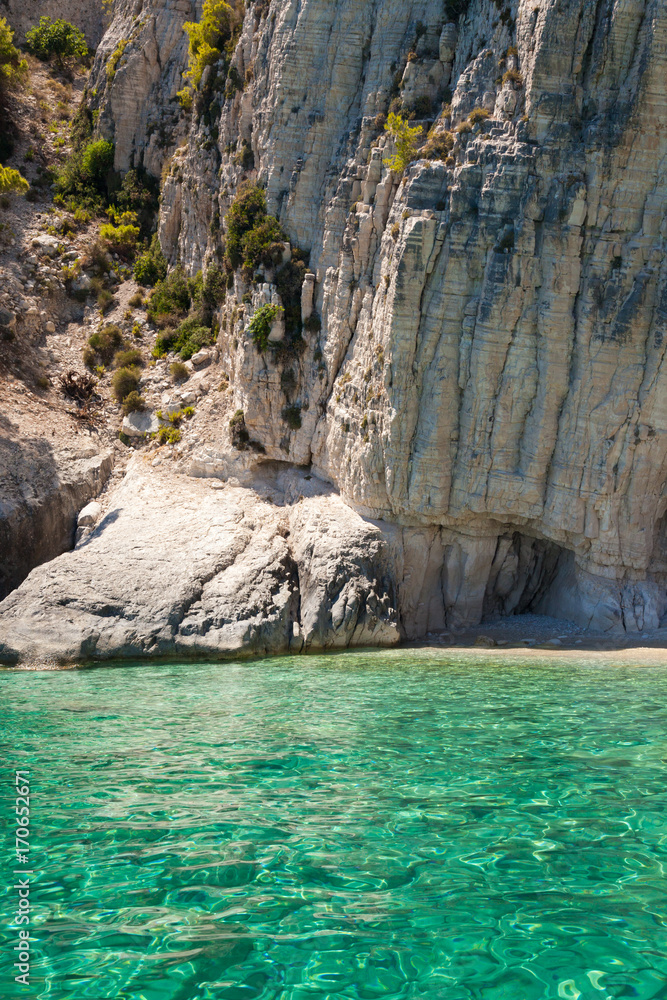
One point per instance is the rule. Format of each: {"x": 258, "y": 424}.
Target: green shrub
{"x": 212, "y": 292}
{"x": 150, "y": 266}
{"x": 263, "y": 244}
{"x": 139, "y": 193}
{"x": 136, "y": 301}
{"x": 185, "y": 98}
{"x": 171, "y": 299}
{"x": 125, "y": 381}
{"x": 186, "y": 340}
{"x": 90, "y": 358}
{"x": 289, "y": 281}
{"x": 133, "y": 403}
{"x": 208, "y": 37}
{"x": 85, "y": 176}
{"x": 179, "y": 371}
{"x": 239, "y": 432}
{"x": 313, "y": 324}
{"x": 169, "y": 435}
{"x": 177, "y": 295}
{"x": 406, "y": 139}
{"x": 106, "y": 342}
{"x": 423, "y": 107}
{"x": 188, "y": 412}
{"x": 129, "y": 358}
{"x": 115, "y": 58}
{"x": 12, "y": 181}
{"x": 292, "y": 416}
{"x": 478, "y": 115}
{"x": 105, "y": 300}
{"x": 260, "y": 325}
{"x": 56, "y": 38}
{"x": 97, "y": 161}
{"x": 13, "y": 67}
{"x": 253, "y": 236}
{"x": 120, "y": 239}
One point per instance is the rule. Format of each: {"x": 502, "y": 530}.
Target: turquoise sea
{"x": 365, "y": 825}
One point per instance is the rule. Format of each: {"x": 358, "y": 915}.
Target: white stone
{"x": 202, "y": 358}
{"x": 89, "y": 515}
{"x": 140, "y": 423}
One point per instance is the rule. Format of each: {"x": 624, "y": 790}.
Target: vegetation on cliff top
{"x": 208, "y": 39}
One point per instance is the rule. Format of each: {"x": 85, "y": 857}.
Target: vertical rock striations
{"x": 483, "y": 363}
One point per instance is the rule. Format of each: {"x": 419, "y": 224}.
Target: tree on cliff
{"x": 406, "y": 140}
{"x": 207, "y": 40}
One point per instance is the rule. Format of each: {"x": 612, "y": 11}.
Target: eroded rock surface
{"x": 486, "y": 378}
{"x": 41, "y": 492}
{"x": 178, "y": 567}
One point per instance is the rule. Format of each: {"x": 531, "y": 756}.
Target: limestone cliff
{"x": 489, "y": 377}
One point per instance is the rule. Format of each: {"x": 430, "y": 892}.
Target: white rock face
{"x": 483, "y": 367}
{"x": 176, "y": 567}
{"x": 89, "y": 514}
{"x": 138, "y": 107}
{"x": 41, "y": 493}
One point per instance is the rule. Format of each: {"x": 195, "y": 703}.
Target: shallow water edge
{"x": 637, "y": 656}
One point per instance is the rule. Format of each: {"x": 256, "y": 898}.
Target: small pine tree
{"x": 406, "y": 139}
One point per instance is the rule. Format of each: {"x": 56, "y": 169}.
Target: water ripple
{"x": 371, "y": 825}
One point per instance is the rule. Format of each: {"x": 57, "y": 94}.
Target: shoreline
{"x": 498, "y": 640}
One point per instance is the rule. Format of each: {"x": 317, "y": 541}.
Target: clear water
{"x": 376, "y": 825}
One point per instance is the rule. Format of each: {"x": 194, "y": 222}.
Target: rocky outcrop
{"x": 40, "y": 495}
{"x": 176, "y": 567}
{"x": 87, "y": 15}
{"x": 491, "y": 359}
{"x": 135, "y": 79}
{"x": 486, "y": 377}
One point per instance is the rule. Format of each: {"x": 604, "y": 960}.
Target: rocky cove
{"x": 463, "y": 413}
